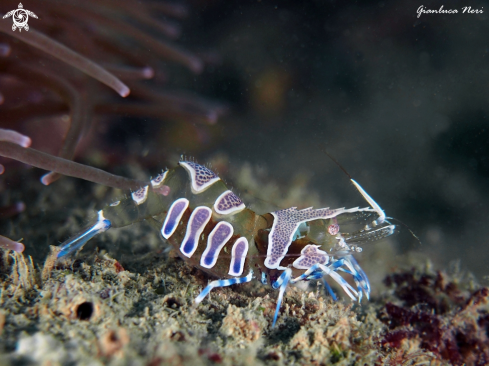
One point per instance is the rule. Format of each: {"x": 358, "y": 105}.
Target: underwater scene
{"x": 255, "y": 182}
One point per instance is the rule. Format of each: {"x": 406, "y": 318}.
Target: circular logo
{"x": 20, "y": 17}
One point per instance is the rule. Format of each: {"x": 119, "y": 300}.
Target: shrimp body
{"x": 211, "y": 228}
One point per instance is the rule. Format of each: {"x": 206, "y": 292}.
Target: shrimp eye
{"x": 334, "y": 229}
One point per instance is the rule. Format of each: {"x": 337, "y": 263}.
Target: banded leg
{"x": 319, "y": 274}
{"x": 221, "y": 283}
{"x": 73, "y": 244}
{"x": 358, "y": 274}
{"x": 329, "y": 289}
{"x": 358, "y": 283}
{"x": 330, "y": 270}
{"x": 282, "y": 281}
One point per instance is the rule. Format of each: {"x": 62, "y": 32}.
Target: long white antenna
{"x": 372, "y": 203}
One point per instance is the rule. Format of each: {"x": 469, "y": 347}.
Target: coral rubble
{"x": 438, "y": 316}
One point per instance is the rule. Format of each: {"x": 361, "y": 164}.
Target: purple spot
{"x": 310, "y": 255}
{"x": 173, "y": 217}
{"x": 239, "y": 252}
{"x": 198, "y": 220}
{"x": 202, "y": 177}
{"x": 228, "y": 203}
{"x": 216, "y": 241}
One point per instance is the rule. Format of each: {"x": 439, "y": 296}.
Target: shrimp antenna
{"x": 367, "y": 197}
{"x": 407, "y": 227}
{"x": 336, "y": 162}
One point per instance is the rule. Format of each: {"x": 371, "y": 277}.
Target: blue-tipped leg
{"x": 222, "y": 283}
{"x": 358, "y": 281}
{"x": 319, "y": 274}
{"x": 330, "y": 271}
{"x": 282, "y": 281}
{"x": 316, "y": 275}
{"x": 73, "y": 244}
{"x": 359, "y": 275}
{"x": 329, "y": 289}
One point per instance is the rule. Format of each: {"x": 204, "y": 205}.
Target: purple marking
{"x": 158, "y": 181}
{"x": 285, "y": 224}
{"x": 198, "y": 220}
{"x": 140, "y": 195}
{"x": 200, "y": 176}
{"x": 238, "y": 257}
{"x": 311, "y": 255}
{"x": 228, "y": 203}
{"x": 173, "y": 217}
{"x": 218, "y": 237}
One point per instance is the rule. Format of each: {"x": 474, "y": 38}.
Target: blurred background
{"x": 399, "y": 100}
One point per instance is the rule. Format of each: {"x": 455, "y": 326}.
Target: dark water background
{"x": 400, "y": 101}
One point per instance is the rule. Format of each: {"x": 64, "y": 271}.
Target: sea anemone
{"x": 49, "y": 71}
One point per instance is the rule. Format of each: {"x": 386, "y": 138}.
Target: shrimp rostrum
{"x": 211, "y": 229}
